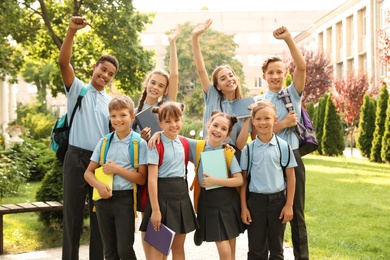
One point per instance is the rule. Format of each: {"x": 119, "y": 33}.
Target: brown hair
{"x": 145, "y": 93}
{"x": 232, "y": 119}
{"x": 169, "y": 109}
{"x": 121, "y": 102}
{"x": 263, "y": 103}
{"x": 110, "y": 59}
{"x": 268, "y": 61}
{"x": 214, "y": 76}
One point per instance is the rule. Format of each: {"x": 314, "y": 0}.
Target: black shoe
{"x": 198, "y": 239}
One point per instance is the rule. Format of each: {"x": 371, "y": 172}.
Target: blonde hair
{"x": 214, "y": 76}
{"x": 263, "y": 103}
{"x": 121, "y": 102}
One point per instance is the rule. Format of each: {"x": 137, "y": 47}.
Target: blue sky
{"x": 234, "y": 5}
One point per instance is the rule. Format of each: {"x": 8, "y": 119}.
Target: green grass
{"x": 23, "y": 232}
{"x": 347, "y": 208}
{"x": 347, "y": 212}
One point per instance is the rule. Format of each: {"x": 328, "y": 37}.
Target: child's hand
{"x": 286, "y": 214}
{"x": 174, "y": 34}
{"x": 291, "y": 119}
{"x": 154, "y": 139}
{"x": 246, "y": 216}
{"x": 104, "y": 191}
{"x": 77, "y": 22}
{"x": 201, "y": 28}
{"x": 208, "y": 180}
{"x": 229, "y": 147}
{"x": 281, "y": 33}
{"x": 145, "y": 133}
{"x": 110, "y": 167}
{"x": 156, "y": 220}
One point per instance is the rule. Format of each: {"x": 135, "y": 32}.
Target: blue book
{"x": 146, "y": 118}
{"x": 214, "y": 164}
{"x": 240, "y": 107}
{"x": 161, "y": 240}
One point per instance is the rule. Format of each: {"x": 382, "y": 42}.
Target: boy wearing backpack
{"x": 90, "y": 123}
{"x": 275, "y": 72}
{"x": 267, "y": 194}
{"x": 126, "y": 159}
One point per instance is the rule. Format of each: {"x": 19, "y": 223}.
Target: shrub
{"x": 189, "y": 125}
{"x": 366, "y": 126}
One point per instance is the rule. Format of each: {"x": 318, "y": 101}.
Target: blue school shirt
{"x": 266, "y": 172}
{"x": 213, "y": 100}
{"x": 90, "y": 122}
{"x": 119, "y": 153}
{"x": 234, "y": 166}
{"x": 173, "y": 162}
{"x": 282, "y": 112}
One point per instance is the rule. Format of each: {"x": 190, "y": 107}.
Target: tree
{"x": 217, "y": 49}
{"x": 114, "y": 29}
{"x": 384, "y": 44}
{"x": 348, "y": 98}
{"x": 333, "y": 137}
{"x": 380, "y": 117}
{"x": 319, "y": 119}
{"x": 385, "y": 152}
{"x": 319, "y": 74}
{"x": 366, "y": 126}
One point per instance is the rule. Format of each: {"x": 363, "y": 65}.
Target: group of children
{"x": 258, "y": 195}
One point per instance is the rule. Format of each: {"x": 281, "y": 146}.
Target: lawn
{"x": 347, "y": 212}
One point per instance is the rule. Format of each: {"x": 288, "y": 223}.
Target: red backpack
{"x": 143, "y": 192}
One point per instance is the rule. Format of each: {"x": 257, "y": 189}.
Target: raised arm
{"x": 173, "y": 64}
{"x": 299, "y": 76}
{"x": 198, "y": 57}
{"x": 67, "y": 72}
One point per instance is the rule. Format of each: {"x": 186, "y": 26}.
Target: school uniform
{"x": 215, "y": 101}
{"x": 266, "y": 199}
{"x": 90, "y": 123}
{"x": 173, "y": 198}
{"x": 219, "y": 212}
{"x": 116, "y": 215}
{"x": 298, "y": 223}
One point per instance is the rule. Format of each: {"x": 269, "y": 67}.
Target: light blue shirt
{"x": 282, "y": 112}
{"x": 234, "y": 166}
{"x": 213, "y": 100}
{"x": 90, "y": 123}
{"x": 119, "y": 153}
{"x": 173, "y": 162}
{"x": 266, "y": 172}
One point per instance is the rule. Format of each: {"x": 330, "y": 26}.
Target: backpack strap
{"x": 249, "y": 148}
{"x": 104, "y": 148}
{"x": 135, "y": 142}
{"x": 160, "y": 151}
{"x": 195, "y": 186}
{"x": 83, "y": 92}
{"x": 284, "y": 149}
{"x": 186, "y": 146}
{"x": 285, "y": 97}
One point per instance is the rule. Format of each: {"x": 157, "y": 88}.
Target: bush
{"x": 189, "y": 125}
{"x": 51, "y": 190}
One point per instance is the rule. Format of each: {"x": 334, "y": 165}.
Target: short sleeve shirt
{"x": 119, "y": 152}
{"x": 91, "y": 122}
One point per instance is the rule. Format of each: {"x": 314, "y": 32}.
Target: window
{"x": 256, "y": 82}
{"x": 237, "y": 38}
{"x": 164, "y": 40}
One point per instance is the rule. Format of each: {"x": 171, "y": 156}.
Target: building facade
{"x": 348, "y": 37}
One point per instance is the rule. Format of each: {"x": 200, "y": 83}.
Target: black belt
{"x": 277, "y": 195}
{"x": 122, "y": 193}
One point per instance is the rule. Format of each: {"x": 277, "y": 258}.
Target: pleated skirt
{"x": 219, "y": 214}
{"x": 175, "y": 205}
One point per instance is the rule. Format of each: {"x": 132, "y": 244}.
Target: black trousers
{"x": 76, "y": 190}
{"x": 117, "y": 225}
{"x": 266, "y": 231}
{"x": 298, "y": 223}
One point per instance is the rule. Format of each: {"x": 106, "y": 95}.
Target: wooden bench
{"x": 22, "y": 208}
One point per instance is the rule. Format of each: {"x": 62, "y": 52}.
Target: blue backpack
{"x": 135, "y": 142}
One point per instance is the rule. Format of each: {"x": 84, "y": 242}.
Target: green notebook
{"x": 214, "y": 164}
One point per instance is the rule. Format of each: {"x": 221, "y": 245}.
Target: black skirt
{"x": 176, "y": 207}
{"x": 219, "y": 214}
